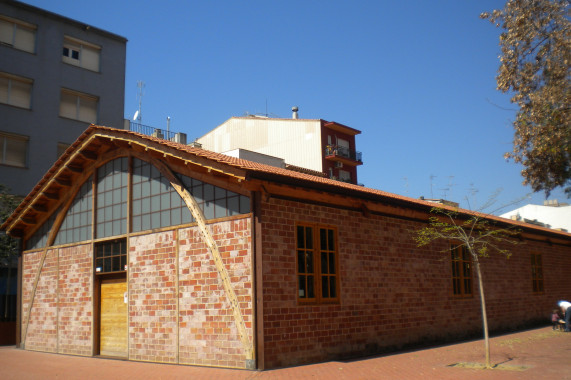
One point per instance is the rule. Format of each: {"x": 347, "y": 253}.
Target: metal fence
{"x": 151, "y": 131}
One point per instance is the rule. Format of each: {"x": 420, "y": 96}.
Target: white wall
{"x": 298, "y": 142}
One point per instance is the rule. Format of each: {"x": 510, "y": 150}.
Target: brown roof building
{"x": 146, "y": 249}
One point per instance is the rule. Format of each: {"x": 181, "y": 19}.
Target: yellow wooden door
{"x": 113, "y": 331}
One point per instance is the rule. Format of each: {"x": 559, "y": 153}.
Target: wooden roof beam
{"x": 28, "y": 220}
{"x": 74, "y": 168}
{"x": 39, "y": 208}
{"x": 63, "y": 181}
{"x": 52, "y": 196}
{"x": 88, "y": 154}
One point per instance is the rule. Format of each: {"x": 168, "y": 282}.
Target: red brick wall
{"x": 75, "y": 316}
{"x": 392, "y": 292}
{"x": 42, "y": 328}
{"x": 207, "y": 329}
{"x": 208, "y": 332}
{"x": 61, "y": 319}
{"x": 62, "y": 316}
{"x": 152, "y": 297}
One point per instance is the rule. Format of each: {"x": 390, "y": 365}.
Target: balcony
{"x": 157, "y": 132}
{"x": 344, "y": 155}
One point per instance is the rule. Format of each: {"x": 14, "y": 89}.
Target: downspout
{"x": 257, "y": 279}
{"x": 19, "y": 296}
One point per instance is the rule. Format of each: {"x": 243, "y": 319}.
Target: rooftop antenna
{"x": 432, "y": 176}
{"x": 450, "y": 185}
{"x": 405, "y": 185}
{"x": 139, "y": 115}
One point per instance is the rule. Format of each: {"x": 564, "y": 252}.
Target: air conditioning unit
{"x": 338, "y": 164}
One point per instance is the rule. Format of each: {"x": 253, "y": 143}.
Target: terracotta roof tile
{"x": 255, "y": 168}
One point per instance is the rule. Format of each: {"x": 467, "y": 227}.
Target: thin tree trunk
{"x": 484, "y": 316}
{"x": 7, "y": 298}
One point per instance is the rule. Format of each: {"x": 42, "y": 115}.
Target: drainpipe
{"x": 257, "y": 284}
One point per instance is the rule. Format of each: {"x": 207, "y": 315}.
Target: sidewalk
{"x": 532, "y": 354}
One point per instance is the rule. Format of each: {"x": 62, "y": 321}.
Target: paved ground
{"x": 532, "y": 354}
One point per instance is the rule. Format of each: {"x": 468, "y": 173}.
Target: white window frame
{"x": 5, "y": 139}
{"x": 78, "y": 106}
{"x": 7, "y": 94}
{"x": 14, "y": 32}
{"x": 88, "y": 54}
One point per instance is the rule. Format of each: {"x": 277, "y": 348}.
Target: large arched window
{"x": 77, "y": 223}
{"x": 154, "y": 204}
{"x": 112, "y": 181}
{"x": 40, "y": 237}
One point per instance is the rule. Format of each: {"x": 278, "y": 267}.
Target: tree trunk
{"x": 7, "y": 296}
{"x": 484, "y": 316}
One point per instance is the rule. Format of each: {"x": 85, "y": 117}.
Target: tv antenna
{"x": 140, "y": 92}
{"x": 432, "y": 176}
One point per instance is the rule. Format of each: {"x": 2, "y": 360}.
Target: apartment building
{"x": 57, "y": 76}
{"x": 321, "y": 147}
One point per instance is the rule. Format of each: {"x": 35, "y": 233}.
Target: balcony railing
{"x": 333, "y": 150}
{"x": 157, "y": 132}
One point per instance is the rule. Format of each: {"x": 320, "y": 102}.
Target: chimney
{"x": 294, "y": 114}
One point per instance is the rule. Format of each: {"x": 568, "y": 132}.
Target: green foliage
{"x": 8, "y": 203}
{"x": 535, "y": 67}
{"x": 475, "y": 232}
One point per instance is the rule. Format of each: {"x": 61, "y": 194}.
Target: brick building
{"x": 150, "y": 250}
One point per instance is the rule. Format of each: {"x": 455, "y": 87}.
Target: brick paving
{"x": 543, "y": 353}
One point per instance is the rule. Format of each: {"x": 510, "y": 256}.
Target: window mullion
{"x": 317, "y": 263}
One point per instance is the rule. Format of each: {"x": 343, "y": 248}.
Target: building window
{"x": 81, "y": 53}
{"x": 61, "y": 148}
{"x": 461, "y": 271}
{"x": 112, "y": 179}
{"x": 344, "y": 175}
{"x": 13, "y": 150}
{"x": 155, "y": 202}
{"x": 40, "y": 237}
{"x": 78, "y": 106}
{"x": 15, "y": 91}
{"x": 77, "y": 223}
{"x": 17, "y": 34}
{"x": 317, "y": 264}
{"x": 537, "y": 272}
{"x": 111, "y": 256}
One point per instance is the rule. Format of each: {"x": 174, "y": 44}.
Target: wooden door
{"x": 113, "y": 328}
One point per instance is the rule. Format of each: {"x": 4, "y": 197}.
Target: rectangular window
{"x": 537, "y": 272}
{"x": 461, "y": 271}
{"x": 111, "y": 256}
{"x": 78, "y": 106}
{"x": 18, "y": 34}
{"x": 61, "y": 148}
{"x": 15, "y": 91}
{"x": 13, "y": 150}
{"x": 81, "y": 53}
{"x": 344, "y": 175}
{"x": 112, "y": 181}
{"x": 317, "y": 263}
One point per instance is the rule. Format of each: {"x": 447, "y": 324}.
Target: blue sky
{"x": 416, "y": 77}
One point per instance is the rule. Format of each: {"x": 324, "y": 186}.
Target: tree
{"x": 475, "y": 233}
{"x": 534, "y": 67}
{"x": 8, "y": 245}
